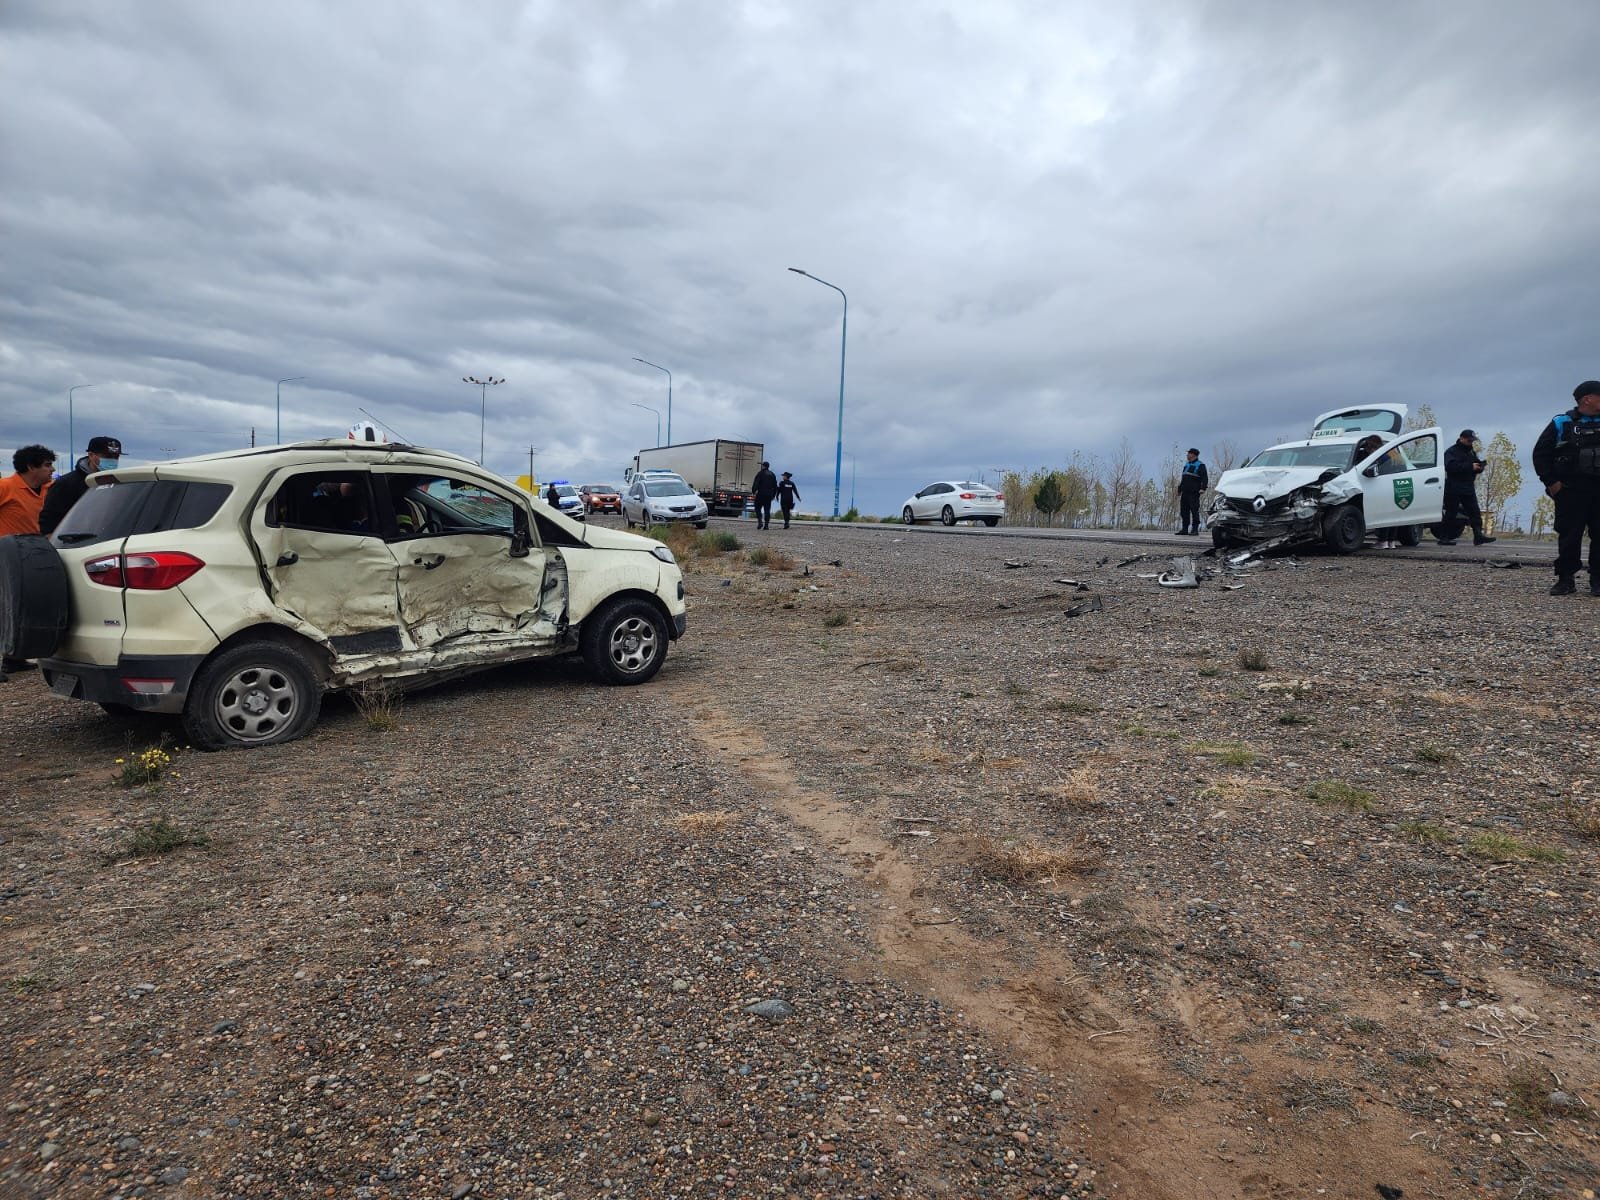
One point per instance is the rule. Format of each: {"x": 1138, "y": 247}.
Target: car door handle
{"x": 428, "y": 566}
{"x": 1435, "y": 479}
{"x": 288, "y": 559}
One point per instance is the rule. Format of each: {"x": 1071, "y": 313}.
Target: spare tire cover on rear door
{"x": 33, "y": 597}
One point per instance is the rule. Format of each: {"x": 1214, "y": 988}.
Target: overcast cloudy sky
{"x": 1059, "y": 223}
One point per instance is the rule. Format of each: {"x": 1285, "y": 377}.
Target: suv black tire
{"x": 1344, "y": 529}
{"x": 280, "y": 675}
{"x": 34, "y": 597}
{"x": 624, "y": 641}
{"x": 1409, "y": 535}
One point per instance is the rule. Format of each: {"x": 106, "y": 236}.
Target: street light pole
{"x": 852, "y": 481}
{"x": 278, "y": 441}
{"x": 70, "y": 435}
{"x": 844, "y": 328}
{"x": 647, "y": 408}
{"x": 483, "y": 385}
{"x": 648, "y": 363}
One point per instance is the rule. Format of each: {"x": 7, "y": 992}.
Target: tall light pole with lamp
{"x": 483, "y": 385}
{"x": 844, "y": 328}
{"x": 71, "y": 436}
{"x": 278, "y": 440}
{"x": 658, "y": 367}
{"x": 657, "y": 411}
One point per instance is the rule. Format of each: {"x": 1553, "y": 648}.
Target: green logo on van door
{"x": 1402, "y": 493}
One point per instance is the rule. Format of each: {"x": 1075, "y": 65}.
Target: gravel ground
{"x": 897, "y": 882}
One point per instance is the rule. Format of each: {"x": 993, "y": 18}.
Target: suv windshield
{"x": 667, "y": 487}
{"x": 1318, "y": 454}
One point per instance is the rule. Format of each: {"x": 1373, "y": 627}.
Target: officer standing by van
{"x": 1567, "y": 460}
{"x": 1192, "y": 483}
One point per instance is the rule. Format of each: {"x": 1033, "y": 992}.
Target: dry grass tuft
{"x": 379, "y": 706}
{"x": 1238, "y": 789}
{"x": 1585, "y": 818}
{"x": 1304, "y": 1094}
{"x": 1077, "y": 792}
{"x": 771, "y": 558}
{"x": 708, "y": 821}
{"x": 1454, "y": 699}
{"x": 1023, "y": 862}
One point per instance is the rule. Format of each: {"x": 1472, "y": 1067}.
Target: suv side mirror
{"x": 521, "y": 542}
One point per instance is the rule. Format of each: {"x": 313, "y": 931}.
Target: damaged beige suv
{"x": 235, "y": 589}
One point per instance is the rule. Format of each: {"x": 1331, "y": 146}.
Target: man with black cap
{"x": 1462, "y": 466}
{"x": 64, "y": 492}
{"x": 1567, "y": 460}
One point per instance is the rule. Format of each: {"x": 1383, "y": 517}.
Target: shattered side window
{"x": 1422, "y": 452}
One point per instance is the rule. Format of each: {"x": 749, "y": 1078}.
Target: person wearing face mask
{"x": 103, "y": 455}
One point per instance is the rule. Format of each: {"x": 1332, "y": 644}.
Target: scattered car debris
{"x": 1076, "y": 584}
{"x": 1184, "y": 574}
{"x": 1088, "y": 605}
{"x": 1504, "y": 566}
{"x": 1017, "y": 564}
{"x": 1290, "y": 686}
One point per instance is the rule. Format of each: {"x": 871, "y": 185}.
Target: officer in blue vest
{"x": 1191, "y": 485}
{"x": 1567, "y": 461}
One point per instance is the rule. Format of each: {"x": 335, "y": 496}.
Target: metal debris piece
{"x": 1503, "y": 565}
{"x": 1184, "y": 574}
{"x": 1087, "y": 605}
{"x": 1018, "y": 563}
{"x": 1073, "y": 583}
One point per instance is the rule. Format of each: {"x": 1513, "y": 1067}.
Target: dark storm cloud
{"x": 1059, "y": 225}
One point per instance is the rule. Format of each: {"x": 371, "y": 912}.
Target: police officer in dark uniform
{"x": 1462, "y": 466}
{"x": 1567, "y": 461}
{"x": 1192, "y": 484}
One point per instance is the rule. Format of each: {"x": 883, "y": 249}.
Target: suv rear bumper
{"x": 156, "y": 683}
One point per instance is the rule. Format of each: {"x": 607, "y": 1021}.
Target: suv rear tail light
{"x": 143, "y": 572}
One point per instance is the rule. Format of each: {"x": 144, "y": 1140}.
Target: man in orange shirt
{"x": 22, "y": 494}
{"x": 21, "y": 498}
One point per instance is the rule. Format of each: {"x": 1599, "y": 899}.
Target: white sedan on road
{"x": 951, "y": 501}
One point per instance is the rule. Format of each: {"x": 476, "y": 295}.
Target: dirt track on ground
{"x": 1061, "y": 904}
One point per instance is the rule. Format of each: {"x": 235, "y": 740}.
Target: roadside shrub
{"x": 716, "y": 541}
{"x": 853, "y": 514}
{"x": 1504, "y": 847}
{"x": 835, "y": 620}
{"x": 1425, "y": 832}
{"x": 145, "y": 768}
{"x": 1229, "y": 754}
{"x": 1253, "y": 660}
{"x": 161, "y": 836}
{"x": 378, "y": 704}
{"x": 771, "y": 558}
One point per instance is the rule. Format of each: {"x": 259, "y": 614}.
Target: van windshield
{"x": 1318, "y": 454}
